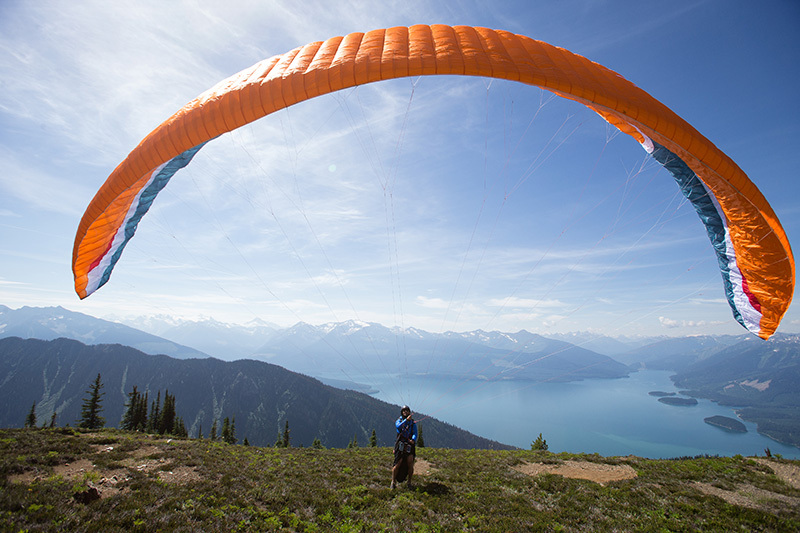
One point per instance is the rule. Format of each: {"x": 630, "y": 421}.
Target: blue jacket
{"x": 407, "y": 430}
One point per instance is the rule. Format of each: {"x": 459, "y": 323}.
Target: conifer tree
{"x": 155, "y": 415}
{"x": 90, "y": 411}
{"x": 226, "y": 430}
{"x": 373, "y": 439}
{"x": 213, "y": 434}
{"x": 286, "y": 435}
{"x": 166, "y": 419}
{"x": 246, "y": 442}
{"x": 135, "y": 416}
{"x": 200, "y": 431}
{"x": 30, "y": 420}
{"x": 162, "y": 420}
{"x": 141, "y": 413}
{"x": 128, "y": 417}
{"x": 317, "y": 444}
{"x": 420, "y": 440}
{"x": 179, "y": 429}
{"x": 53, "y": 420}
{"x": 283, "y": 440}
{"x": 539, "y": 444}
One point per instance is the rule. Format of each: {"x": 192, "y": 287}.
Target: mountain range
{"x": 48, "y": 323}
{"x": 741, "y": 371}
{"x": 361, "y": 348}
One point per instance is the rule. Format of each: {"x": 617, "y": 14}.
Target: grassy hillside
{"x": 153, "y": 484}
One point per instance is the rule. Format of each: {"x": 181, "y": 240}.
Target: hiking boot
{"x": 393, "y": 485}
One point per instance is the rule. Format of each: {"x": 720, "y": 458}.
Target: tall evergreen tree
{"x": 283, "y": 438}
{"x": 226, "y": 430}
{"x": 373, "y": 439}
{"x": 213, "y": 434}
{"x": 141, "y": 413}
{"x": 135, "y": 416}
{"x": 166, "y": 420}
{"x": 286, "y": 435}
{"x": 229, "y": 430}
{"x": 155, "y": 415}
{"x": 179, "y": 429}
{"x": 92, "y": 406}
{"x": 30, "y": 420}
{"x": 128, "y": 421}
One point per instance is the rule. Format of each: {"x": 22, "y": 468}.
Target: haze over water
{"x": 609, "y": 417}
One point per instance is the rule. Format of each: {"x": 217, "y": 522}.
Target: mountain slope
{"x": 364, "y": 349}
{"x": 261, "y": 397}
{"x": 224, "y": 341}
{"x": 762, "y": 378}
{"x": 48, "y": 323}
{"x": 677, "y": 353}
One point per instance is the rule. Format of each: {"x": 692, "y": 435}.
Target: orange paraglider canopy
{"x": 753, "y": 251}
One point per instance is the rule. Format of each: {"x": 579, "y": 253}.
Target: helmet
{"x": 405, "y": 408}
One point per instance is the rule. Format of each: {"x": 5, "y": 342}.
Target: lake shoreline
{"x": 575, "y": 416}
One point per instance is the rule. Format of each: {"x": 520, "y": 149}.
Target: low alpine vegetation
{"x": 64, "y": 479}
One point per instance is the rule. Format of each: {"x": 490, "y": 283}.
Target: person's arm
{"x": 402, "y": 425}
{"x": 414, "y": 432}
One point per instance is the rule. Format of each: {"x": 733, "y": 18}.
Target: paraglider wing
{"x": 752, "y": 249}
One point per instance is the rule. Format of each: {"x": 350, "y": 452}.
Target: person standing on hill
{"x": 405, "y": 448}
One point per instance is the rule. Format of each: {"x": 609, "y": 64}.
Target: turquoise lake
{"x": 609, "y": 417}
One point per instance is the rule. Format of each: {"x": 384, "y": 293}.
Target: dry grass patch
{"x": 596, "y": 472}
{"x": 749, "y": 496}
{"x": 109, "y": 482}
{"x": 423, "y": 467}
{"x": 180, "y": 475}
{"x": 145, "y": 451}
{"x": 789, "y": 473}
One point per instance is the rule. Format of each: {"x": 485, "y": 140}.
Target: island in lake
{"x": 661, "y": 394}
{"x": 726, "y": 422}
{"x": 677, "y": 401}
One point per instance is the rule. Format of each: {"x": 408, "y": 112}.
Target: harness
{"x": 403, "y": 442}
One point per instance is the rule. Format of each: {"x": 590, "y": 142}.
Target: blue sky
{"x": 443, "y": 204}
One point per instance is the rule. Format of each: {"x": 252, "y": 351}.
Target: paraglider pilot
{"x": 405, "y": 447}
